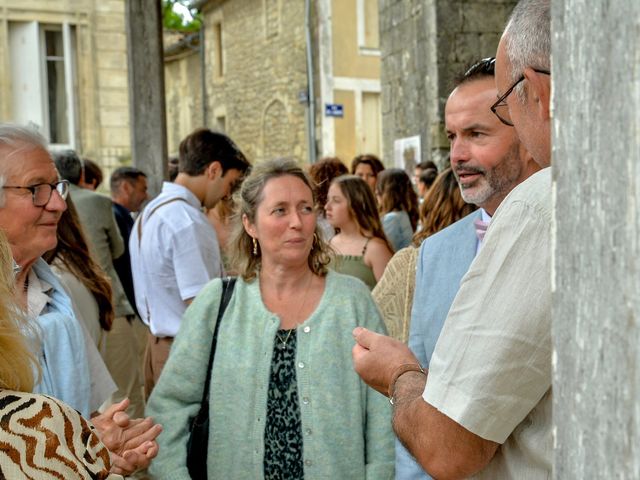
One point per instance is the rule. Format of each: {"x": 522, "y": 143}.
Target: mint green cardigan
{"x": 346, "y": 426}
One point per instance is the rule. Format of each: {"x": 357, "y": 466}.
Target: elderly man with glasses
{"x": 32, "y": 202}
{"x": 483, "y": 407}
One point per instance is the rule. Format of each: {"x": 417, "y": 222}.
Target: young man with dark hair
{"x": 174, "y": 249}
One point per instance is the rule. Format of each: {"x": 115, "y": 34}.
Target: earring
{"x": 255, "y": 247}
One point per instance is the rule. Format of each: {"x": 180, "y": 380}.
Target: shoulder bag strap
{"x": 139, "y": 227}
{"x": 227, "y": 291}
{"x": 152, "y": 212}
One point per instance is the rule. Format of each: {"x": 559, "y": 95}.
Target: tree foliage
{"x": 174, "y": 21}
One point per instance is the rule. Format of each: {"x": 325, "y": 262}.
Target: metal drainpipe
{"x": 311, "y": 101}
{"x": 203, "y": 83}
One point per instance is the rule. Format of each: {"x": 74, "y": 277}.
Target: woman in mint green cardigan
{"x": 285, "y": 401}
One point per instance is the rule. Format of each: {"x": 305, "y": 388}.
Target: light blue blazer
{"x": 443, "y": 260}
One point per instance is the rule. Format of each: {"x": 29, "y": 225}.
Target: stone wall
{"x": 425, "y": 44}
{"x": 264, "y": 64}
{"x": 101, "y": 70}
{"x": 183, "y": 89}
{"x": 110, "y": 95}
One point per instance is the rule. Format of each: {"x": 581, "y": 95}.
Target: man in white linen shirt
{"x": 484, "y": 407}
{"x": 174, "y": 249}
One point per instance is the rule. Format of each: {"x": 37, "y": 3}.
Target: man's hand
{"x": 131, "y": 443}
{"x": 375, "y": 358}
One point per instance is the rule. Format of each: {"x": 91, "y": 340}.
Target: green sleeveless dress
{"x": 354, "y": 265}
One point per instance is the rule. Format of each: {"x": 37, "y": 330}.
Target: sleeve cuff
{"x": 465, "y": 410}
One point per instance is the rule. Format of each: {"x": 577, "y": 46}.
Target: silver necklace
{"x": 283, "y": 343}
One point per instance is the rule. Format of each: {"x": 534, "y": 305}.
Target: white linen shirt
{"x": 491, "y": 368}
{"x": 178, "y": 255}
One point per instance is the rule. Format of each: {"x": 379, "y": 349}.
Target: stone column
{"x": 424, "y": 45}
{"x": 596, "y": 283}
{"x": 146, "y": 90}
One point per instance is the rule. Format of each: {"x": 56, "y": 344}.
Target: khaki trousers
{"x": 123, "y": 357}
{"x": 155, "y": 357}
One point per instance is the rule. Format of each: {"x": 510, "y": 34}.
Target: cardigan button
{"x": 308, "y": 463}
{"x": 305, "y": 400}
{"x": 306, "y": 329}
{"x": 301, "y": 365}
{"x": 308, "y": 431}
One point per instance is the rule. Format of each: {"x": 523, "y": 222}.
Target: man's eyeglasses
{"x": 503, "y": 113}
{"x": 41, "y": 192}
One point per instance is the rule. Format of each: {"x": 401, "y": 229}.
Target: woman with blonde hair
{"x": 442, "y": 206}
{"x": 284, "y": 401}
{"x": 18, "y": 366}
{"x": 361, "y": 245}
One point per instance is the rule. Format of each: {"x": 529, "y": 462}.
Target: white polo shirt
{"x": 178, "y": 255}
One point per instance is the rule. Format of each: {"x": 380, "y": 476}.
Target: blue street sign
{"x": 333, "y": 110}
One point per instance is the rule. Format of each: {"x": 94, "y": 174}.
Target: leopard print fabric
{"x": 283, "y": 429}
{"x": 42, "y": 438}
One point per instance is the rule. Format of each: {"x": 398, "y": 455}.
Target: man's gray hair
{"x": 527, "y": 37}
{"x": 13, "y": 139}
{"x": 69, "y": 165}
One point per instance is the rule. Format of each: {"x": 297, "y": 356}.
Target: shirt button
{"x": 306, "y": 329}
{"x": 305, "y": 400}
{"x": 301, "y": 365}
{"x": 308, "y": 463}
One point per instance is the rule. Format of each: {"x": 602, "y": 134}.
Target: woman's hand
{"x": 131, "y": 443}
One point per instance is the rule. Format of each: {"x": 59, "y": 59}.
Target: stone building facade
{"x": 65, "y": 72}
{"x": 348, "y": 75}
{"x": 183, "y": 86}
{"x": 255, "y": 79}
{"x": 254, "y": 71}
{"x": 425, "y": 44}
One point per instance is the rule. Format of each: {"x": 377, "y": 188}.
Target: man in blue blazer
{"x": 488, "y": 161}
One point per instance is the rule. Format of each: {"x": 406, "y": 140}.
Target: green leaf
{"x": 173, "y": 21}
